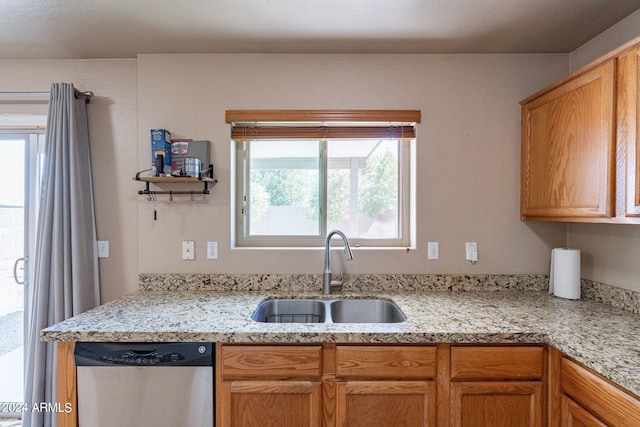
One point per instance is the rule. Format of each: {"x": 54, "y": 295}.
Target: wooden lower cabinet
{"x": 386, "y": 385}
{"x": 270, "y": 403}
{"x": 386, "y": 403}
{"x": 381, "y": 385}
{"x": 513, "y": 403}
{"x": 67, "y": 384}
{"x": 269, "y": 385}
{"x": 399, "y": 385}
{"x": 497, "y": 386}
{"x": 574, "y": 415}
{"x": 590, "y": 400}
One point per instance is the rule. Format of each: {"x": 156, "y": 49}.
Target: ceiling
{"x": 78, "y": 29}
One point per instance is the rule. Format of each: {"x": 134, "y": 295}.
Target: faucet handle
{"x": 337, "y": 282}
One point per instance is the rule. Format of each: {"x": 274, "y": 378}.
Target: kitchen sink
{"x": 290, "y": 311}
{"x": 365, "y": 311}
{"x": 328, "y": 311}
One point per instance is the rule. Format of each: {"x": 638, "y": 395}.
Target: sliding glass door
{"x": 21, "y": 160}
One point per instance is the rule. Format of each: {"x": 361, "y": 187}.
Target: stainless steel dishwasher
{"x": 145, "y": 384}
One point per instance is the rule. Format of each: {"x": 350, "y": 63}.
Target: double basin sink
{"x": 328, "y": 311}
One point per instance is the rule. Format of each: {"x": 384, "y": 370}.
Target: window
{"x": 300, "y": 174}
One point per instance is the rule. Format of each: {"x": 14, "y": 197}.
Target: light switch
{"x": 103, "y": 249}
{"x": 188, "y": 250}
{"x": 471, "y": 249}
{"x": 212, "y": 250}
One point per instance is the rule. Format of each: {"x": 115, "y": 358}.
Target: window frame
{"x": 364, "y": 119}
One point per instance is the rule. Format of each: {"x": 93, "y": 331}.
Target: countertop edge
{"x": 603, "y": 338}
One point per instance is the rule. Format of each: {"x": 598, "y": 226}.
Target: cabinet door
{"x": 270, "y": 404}
{"x": 598, "y": 396}
{"x": 269, "y": 385}
{"x": 574, "y": 415}
{"x": 628, "y": 129}
{"x": 505, "y": 404}
{"x": 386, "y": 403}
{"x": 568, "y": 142}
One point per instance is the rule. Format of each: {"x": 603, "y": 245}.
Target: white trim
{"x": 21, "y": 121}
{"x": 406, "y": 206}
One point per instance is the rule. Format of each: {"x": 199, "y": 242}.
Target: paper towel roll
{"x": 564, "y": 278}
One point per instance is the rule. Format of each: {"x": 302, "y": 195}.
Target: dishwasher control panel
{"x": 143, "y": 354}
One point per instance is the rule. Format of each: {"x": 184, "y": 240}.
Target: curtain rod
{"x": 39, "y": 94}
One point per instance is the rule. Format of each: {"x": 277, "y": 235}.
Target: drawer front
{"x": 598, "y": 396}
{"x": 497, "y": 363}
{"x": 384, "y": 362}
{"x": 266, "y": 361}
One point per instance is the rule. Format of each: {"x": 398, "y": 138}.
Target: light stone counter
{"x": 602, "y": 337}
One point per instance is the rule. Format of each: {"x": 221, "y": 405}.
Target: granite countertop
{"x": 602, "y": 337}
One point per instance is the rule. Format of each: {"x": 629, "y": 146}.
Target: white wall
{"x": 112, "y": 127}
{"x": 610, "y": 253}
{"x": 468, "y": 153}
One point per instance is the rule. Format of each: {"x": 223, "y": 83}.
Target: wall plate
{"x": 188, "y": 250}
{"x": 212, "y": 250}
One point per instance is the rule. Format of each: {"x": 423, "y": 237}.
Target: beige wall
{"x": 610, "y": 253}
{"x": 608, "y": 40}
{"x": 468, "y": 153}
{"x": 112, "y": 126}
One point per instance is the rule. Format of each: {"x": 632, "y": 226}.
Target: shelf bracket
{"x": 205, "y": 177}
{"x": 139, "y": 172}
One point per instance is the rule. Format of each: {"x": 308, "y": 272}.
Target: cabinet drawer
{"x": 598, "y": 396}
{"x": 497, "y": 363}
{"x": 382, "y": 362}
{"x": 258, "y": 361}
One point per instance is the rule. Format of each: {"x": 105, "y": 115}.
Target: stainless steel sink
{"x": 290, "y": 311}
{"x": 328, "y": 311}
{"x": 365, "y": 311}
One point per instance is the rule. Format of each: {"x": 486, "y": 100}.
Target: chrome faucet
{"x": 328, "y": 283}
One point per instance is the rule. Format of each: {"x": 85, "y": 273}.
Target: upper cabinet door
{"x": 568, "y": 149}
{"x": 627, "y": 130}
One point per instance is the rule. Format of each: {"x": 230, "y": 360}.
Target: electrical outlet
{"x": 188, "y": 250}
{"x": 212, "y": 250}
{"x": 103, "y": 249}
{"x": 432, "y": 250}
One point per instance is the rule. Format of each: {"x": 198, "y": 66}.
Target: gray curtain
{"x": 65, "y": 280}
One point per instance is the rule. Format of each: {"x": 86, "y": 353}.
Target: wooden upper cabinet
{"x": 568, "y": 149}
{"x": 627, "y": 129}
{"x": 581, "y": 144}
